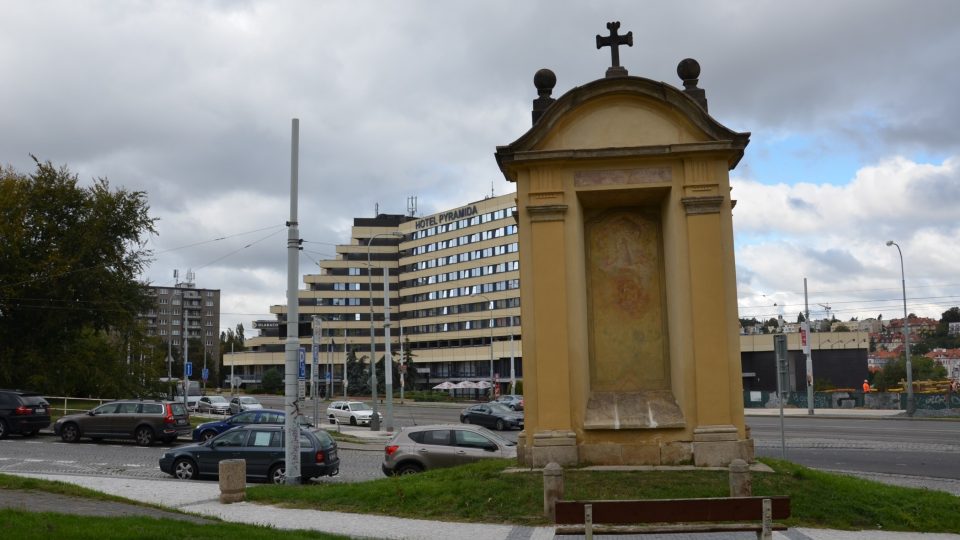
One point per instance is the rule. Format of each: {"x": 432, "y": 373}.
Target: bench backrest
{"x": 673, "y": 510}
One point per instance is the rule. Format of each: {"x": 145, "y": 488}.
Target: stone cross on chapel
{"x": 614, "y": 41}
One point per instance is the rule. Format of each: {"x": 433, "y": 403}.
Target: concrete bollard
{"x": 741, "y": 485}
{"x": 552, "y": 489}
{"x": 233, "y": 480}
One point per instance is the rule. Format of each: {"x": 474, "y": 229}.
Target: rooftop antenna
{"x": 176, "y": 276}
{"x": 492, "y": 195}
{"x": 376, "y": 209}
{"x": 411, "y": 206}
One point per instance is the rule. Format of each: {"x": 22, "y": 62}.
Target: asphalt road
{"x": 910, "y": 447}
{"x": 914, "y": 447}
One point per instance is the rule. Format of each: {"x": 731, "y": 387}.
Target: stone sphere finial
{"x": 688, "y": 68}
{"x": 544, "y": 79}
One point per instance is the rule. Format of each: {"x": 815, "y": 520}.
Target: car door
{"x": 480, "y": 415}
{"x": 435, "y": 448}
{"x": 98, "y": 423}
{"x": 471, "y": 446}
{"x": 262, "y": 449}
{"x": 123, "y": 422}
{"x": 226, "y": 446}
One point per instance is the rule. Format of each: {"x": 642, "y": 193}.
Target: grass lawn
{"x": 43, "y": 526}
{"x": 482, "y": 492}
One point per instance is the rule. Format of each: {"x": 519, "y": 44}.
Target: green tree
{"x": 923, "y": 368}
{"x": 358, "y": 376}
{"x": 800, "y": 317}
{"x": 842, "y": 328}
{"x": 410, "y": 375}
{"x": 272, "y": 381}
{"x": 69, "y": 260}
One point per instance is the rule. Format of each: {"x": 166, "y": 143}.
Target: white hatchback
{"x": 350, "y": 412}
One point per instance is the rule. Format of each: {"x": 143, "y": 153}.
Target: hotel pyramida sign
{"x": 447, "y": 217}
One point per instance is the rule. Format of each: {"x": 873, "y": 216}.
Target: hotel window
{"x": 353, "y": 271}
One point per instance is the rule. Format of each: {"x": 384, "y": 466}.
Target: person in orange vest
{"x": 866, "y": 387}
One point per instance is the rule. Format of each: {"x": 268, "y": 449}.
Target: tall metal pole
{"x": 315, "y": 353}
{"x": 490, "y": 306}
{"x": 388, "y": 359}
{"x": 513, "y": 373}
{"x": 291, "y": 426}
{"x": 806, "y": 349}
{"x": 186, "y": 358}
{"x": 233, "y": 362}
{"x": 403, "y": 365}
{"x": 906, "y": 333}
{"x": 375, "y": 418}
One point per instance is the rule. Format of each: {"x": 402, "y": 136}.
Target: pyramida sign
{"x": 446, "y": 217}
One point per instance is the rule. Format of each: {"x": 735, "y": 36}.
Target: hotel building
{"x": 454, "y": 297}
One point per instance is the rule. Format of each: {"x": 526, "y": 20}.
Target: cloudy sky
{"x": 852, "y": 105}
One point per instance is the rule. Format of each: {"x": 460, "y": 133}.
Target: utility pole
{"x": 315, "y": 350}
{"x": 233, "y": 362}
{"x": 388, "y": 360}
{"x": 805, "y": 339}
{"x": 291, "y": 426}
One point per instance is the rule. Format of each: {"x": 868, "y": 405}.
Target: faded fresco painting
{"x": 626, "y": 301}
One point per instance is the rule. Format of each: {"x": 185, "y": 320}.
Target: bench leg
{"x": 767, "y": 532}
{"x": 588, "y": 521}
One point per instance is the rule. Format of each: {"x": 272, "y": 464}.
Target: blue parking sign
{"x": 303, "y": 364}
{"x": 188, "y": 369}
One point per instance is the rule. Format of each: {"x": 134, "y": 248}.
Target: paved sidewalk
{"x": 202, "y": 499}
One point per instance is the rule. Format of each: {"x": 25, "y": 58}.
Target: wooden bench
{"x": 664, "y": 516}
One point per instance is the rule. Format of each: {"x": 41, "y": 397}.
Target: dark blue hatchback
{"x": 209, "y": 430}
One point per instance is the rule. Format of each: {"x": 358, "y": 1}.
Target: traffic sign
{"x": 303, "y": 364}
{"x": 188, "y": 369}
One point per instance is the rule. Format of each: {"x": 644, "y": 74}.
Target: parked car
{"x": 350, "y": 412}
{"x": 141, "y": 420}
{"x": 261, "y": 446}
{"x": 244, "y": 403}
{"x": 421, "y": 448}
{"x": 514, "y": 401}
{"x": 209, "y": 430}
{"x": 23, "y": 412}
{"x": 493, "y": 414}
{"x": 213, "y": 405}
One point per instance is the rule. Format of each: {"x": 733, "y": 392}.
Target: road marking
{"x": 34, "y": 460}
{"x": 65, "y": 461}
{"x": 132, "y": 465}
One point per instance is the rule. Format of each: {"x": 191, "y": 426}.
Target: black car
{"x": 23, "y": 412}
{"x": 495, "y": 415}
{"x": 261, "y": 446}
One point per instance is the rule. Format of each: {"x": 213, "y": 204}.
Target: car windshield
{"x": 360, "y": 407}
{"x": 500, "y": 408}
{"x": 217, "y": 399}
{"x": 247, "y": 400}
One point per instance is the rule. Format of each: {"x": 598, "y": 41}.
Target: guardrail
{"x": 77, "y": 407}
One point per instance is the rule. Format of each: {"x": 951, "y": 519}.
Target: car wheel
{"x": 278, "y": 474}
{"x": 465, "y": 420}
{"x": 207, "y": 435}
{"x": 144, "y": 436}
{"x": 70, "y": 433}
{"x": 184, "y": 469}
{"x": 3, "y": 429}
{"x": 353, "y": 420}
{"x": 499, "y": 425}
{"x": 408, "y": 468}
{"x": 333, "y": 419}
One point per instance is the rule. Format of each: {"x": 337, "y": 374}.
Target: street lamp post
{"x": 375, "y": 418}
{"x": 490, "y": 324}
{"x": 906, "y": 332}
